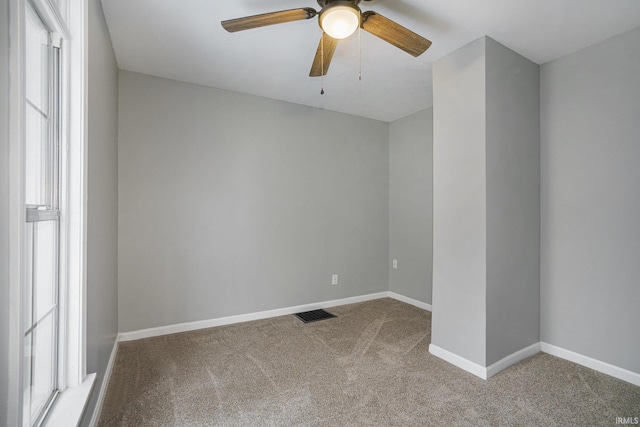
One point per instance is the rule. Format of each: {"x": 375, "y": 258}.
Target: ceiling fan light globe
{"x": 340, "y": 22}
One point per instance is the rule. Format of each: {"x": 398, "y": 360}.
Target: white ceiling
{"x": 183, "y": 40}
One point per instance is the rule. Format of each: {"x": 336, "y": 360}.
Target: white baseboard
{"x": 605, "y": 368}
{"x": 228, "y": 320}
{"x": 460, "y": 362}
{"x": 488, "y": 372}
{"x": 512, "y": 359}
{"x": 479, "y": 370}
{"x": 221, "y": 321}
{"x": 415, "y": 302}
{"x": 105, "y": 384}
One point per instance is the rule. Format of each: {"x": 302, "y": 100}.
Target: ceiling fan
{"x": 338, "y": 19}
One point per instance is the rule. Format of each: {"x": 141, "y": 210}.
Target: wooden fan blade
{"x": 321, "y": 66}
{"x": 394, "y": 33}
{"x": 248, "y": 22}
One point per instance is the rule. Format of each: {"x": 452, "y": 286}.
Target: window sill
{"x": 69, "y": 406}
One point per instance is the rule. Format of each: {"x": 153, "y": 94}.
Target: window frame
{"x": 47, "y": 209}
{"x": 69, "y": 20}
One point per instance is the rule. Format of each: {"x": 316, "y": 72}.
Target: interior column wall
{"x": 486, "y": 205}
{"x": 513, "y": 201}
{"x": 459, "y": 203}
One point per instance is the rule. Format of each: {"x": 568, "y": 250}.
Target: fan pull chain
{"x": 322, "y": 63}
{"x": 360, "y": 52}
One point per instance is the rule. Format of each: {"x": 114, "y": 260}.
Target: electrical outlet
{"x": 395, "y": 264}
{"x": 334, "y": 279}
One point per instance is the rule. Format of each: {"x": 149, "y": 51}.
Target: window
{"x": 47, "y": 382}
{"x": 42, "y": 233}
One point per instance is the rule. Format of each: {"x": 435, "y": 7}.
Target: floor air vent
{"x": 314, "y": 315}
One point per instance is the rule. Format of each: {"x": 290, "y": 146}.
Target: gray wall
{"x": 231, "y": 204}
{"x": 410, "y": 205}
{"x": 459, "y": 203}
{"x": 102, "y": 199}
{"x": 513, "y": 201}
{"x": 590, "y": 157}
{"x": 4, "y": 209}
{"x": 486, "y": 286}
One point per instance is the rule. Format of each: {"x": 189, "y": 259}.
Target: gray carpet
{"x": 368, "y": 366}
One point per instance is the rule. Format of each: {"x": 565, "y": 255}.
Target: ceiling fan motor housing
{"x": 324, "y": 3}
